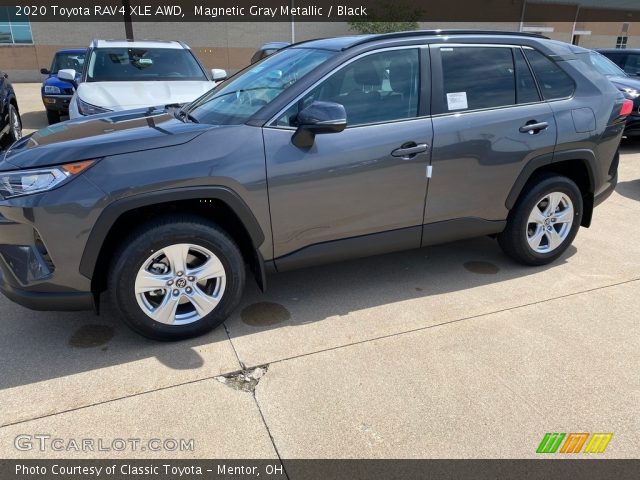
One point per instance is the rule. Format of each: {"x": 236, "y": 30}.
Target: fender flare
{"x": 587, "y": 157}
{"x": 115, "y": 210}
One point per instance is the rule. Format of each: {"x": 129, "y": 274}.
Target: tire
{"x": 53, "y": 116}
{"x": 527, "y": 237}
{"x": 181, "y": 309}
{"x": 15, "y": 126}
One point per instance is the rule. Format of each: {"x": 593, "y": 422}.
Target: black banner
{"x": 317, "y": 11}
{"x": 583, "y": 469}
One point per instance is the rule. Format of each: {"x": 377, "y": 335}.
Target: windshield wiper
{"x": 183, "y": 114}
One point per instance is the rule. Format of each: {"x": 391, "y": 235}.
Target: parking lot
{"x": 449, "y": 351}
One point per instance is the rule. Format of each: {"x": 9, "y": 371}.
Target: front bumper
{"x": 58, "y": 103}
{"x": 40, "y": 259}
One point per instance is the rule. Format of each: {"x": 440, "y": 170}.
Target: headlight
{"x": 52, "y": 90}
{"x": 27, "y": 182}
{"x": 630, "y": 93}
{"x": 87, "y": 109}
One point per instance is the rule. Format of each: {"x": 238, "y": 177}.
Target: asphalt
{"x": 449, "y": 351}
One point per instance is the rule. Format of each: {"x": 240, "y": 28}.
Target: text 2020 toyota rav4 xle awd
{"x": 327, "y": 150}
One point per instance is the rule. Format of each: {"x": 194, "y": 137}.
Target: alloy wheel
{"x": 180, "y": 284}
{"x": 550, "y": 222}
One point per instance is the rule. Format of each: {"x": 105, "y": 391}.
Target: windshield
{"x": 605, "y": 66}
{"x": 236, "y": 100}
{"x": 67, "y": 60}
{"x": 143, "y": 64}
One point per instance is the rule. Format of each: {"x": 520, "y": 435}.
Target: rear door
{"x": 489, "y": 121}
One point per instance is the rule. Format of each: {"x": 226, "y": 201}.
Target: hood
{"x": 54, "y": 81}
{"x": 127, "y": 95}
{"x": 100, "y": 136}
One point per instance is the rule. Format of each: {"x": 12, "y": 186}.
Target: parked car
{"x": 56, "y": 94}
{"x": 122, "y": 75}
{"x": 268, "y": 49}
{"x": 306, "y": 158}
{"x": 628, "y": 85}
{"x": 10, "y": 122}
{"x": 627, "y": 59}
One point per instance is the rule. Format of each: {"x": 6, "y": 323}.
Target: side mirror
{"x": 68, "y": 75}
{"x": 218, "y": 74}
{"x": 44, "y": 71}
{"x": 317, "y": 118}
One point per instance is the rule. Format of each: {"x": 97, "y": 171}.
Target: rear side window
{"x": 477, "y": 77}
{"x": 553, "y": 81}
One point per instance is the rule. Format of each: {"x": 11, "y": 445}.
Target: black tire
{"x": 53, "y": 117}
{"x": 154, "y": 236}
{"x": 13, "y": 136}
{"x": 513, "y": 240}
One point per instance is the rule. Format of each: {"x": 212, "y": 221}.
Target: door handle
{"x": 533, "y": 127}
{"x": 410, "y": 150}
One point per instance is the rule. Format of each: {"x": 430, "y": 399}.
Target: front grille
{"x": 67, "y": 91}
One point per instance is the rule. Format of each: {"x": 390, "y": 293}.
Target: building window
{"x": 621, "y": 42}
{"x": 14, "y": 30}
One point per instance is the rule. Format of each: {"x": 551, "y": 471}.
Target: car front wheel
{"x": 177, "y": 278}
{"x": 544, "y": 221}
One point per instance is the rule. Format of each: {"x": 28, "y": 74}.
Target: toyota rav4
{"x": 327, "y": 150}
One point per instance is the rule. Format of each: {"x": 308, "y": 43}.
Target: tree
{"x": 387, "y": 16}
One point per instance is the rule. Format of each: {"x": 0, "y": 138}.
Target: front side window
{"x": 233, "y": 102}
{"x": 553, "y": 81}
{"x": 143, "y": 64}
{"x": 379, "y": 87}
{"x": 478, "y": 77}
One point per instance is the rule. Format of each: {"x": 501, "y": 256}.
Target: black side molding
{"x": 111, "y": 214}
{"x": 586, "y": 156}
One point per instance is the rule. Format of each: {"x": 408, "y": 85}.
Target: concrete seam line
{"x": 443, "y": 324}
{"x": 314, "y": 353}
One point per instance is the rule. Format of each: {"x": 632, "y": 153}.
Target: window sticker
{"x": 457, "y": 101}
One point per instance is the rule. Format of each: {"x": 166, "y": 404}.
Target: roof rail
{"x": 414, "y": 33}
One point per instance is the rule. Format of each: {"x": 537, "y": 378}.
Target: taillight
{"x": 627, "y": 108}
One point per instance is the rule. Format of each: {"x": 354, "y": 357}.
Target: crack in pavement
{"x": 245, "y": 369}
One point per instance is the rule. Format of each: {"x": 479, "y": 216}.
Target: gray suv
{"x": 327, "y": 150}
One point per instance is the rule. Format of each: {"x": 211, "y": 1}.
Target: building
{"x": 26, "y": 47}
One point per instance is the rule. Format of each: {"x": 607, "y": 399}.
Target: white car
{"x": 123, "y": 75}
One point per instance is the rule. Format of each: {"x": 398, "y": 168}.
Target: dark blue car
{"x": 56, "y": 94}
{"x": 627, "y": 83}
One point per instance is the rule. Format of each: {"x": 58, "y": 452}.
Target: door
{"x": 489, "y": 121}
{"x": 366, "y": 180}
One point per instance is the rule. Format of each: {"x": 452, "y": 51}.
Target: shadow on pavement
{"x": 37, "y": 346}
{"x": 34, "y": 121}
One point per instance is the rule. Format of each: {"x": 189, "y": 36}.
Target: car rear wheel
{"x": 53, "y": 116}
{"x": 177, "y": 278}
{"x": 544, "y": 221}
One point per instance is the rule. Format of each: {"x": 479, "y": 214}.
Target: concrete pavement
{"x": 447, "y": 351}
